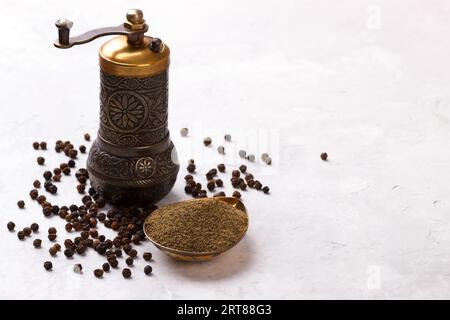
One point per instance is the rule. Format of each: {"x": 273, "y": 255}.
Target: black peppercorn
{"x": 34, "y": 194}
{"x": 258, "y": 185}
{"x": 242, "y": 185}
{"x": 48, "y": 265}
{"x": 82, "y": 149}
{"x": 52, "y": 237}
{"x": 43, "y": 145}
{"x": 148, "y": 269}
{"x": 188, "y": 189}
{"x": 68, "y": 227}
{"x": 87, "y": 137}
{"x": 106, "y": 267}
{"x": 207, "y": 141}
{"x": 35, "y": 145}
{"x": 98, "y": 273}
{"x": 52, "y": 230}
{"x": 221, "y": 167}
{"x": 21, "y": 235}
{"x": 21, "y": 204}
{"x": 68, "y": 252}
{"x": 129, "y": 261}
{"x": 324, "y": 156}
{"x": 81, "y": 188}
{"x": 118, "y": 252}
{"x": 243, "y": 168}
{"x": 57, "y": 247}
{"x": 73, "y": 153}
{"x": 71, "y": 163}
{"x": 236, "y": 194}
{"x": 37, "y": 243}
{"x": 147, "y": 256}
{"x": 235, "y": 182}
{"x": 81, "y": 248}
{"x": 219, "y": 182}
{"x": 47, "y": 175}
{"x": 126, "y": 273}
{"x": 114, "y": 263}
{"x": 132, "y": 253}
{"x": 52, "y": 251}
{"x": 251, "y": 183}
{"x": 266, "y": 189}
{"x": 27, "y": 231}
{"x": 40, "y": 160}
{"x": 11, "y": 225}
{"x": 57, "y": 171}
{"x": 211, "y": 185}
{"x": 191, "y": 168}
{"x": 36, "y": 184}
{"x": 236, "y": 173}
{"x": 66, "y": 171}
{"x": 219, "y": 194}
{"x": 209, "y": 176}
{"x": 249, "y": 176}
{"x": 57, "y": 178}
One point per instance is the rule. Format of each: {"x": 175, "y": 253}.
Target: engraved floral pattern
{"x": 145, "y": 167}
{"x": 126, "y": 111}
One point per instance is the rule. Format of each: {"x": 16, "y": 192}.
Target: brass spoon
{"x": 199, "y": 256}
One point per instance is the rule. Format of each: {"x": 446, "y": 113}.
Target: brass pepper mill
{"x": 133, "y": 160}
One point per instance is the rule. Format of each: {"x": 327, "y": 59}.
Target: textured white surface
{"x": 365, "y": 81}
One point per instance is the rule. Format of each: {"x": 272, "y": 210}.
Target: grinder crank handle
{"x": 134, "y": 27}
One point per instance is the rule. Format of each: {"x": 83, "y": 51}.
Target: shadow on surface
{"x": 234, "y": 261}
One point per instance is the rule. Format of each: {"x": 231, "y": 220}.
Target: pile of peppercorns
{"x": 83, "y": 219}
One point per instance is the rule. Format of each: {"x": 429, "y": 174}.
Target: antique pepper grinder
{"x": 133, "y": 160}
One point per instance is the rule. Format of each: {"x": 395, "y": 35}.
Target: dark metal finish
{"x": 64, "y": 42}
{"x": 133, "y": 160}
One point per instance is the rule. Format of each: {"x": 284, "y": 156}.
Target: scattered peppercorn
{"x": 27, "y": 231}
{"x": 221, "y": 149}
{"x": 57, "y": 247}
{"x": 57, "y": 178}
{"x": 258, "y": 185}
{"x": 207, "y": 141}
{"x": 266, "y": 189}
{"x": 47, "y": 175}
{"x": 191, "y": 168}
{"x": 52, "y": 237}
{"x": 236, "y": 173}
{"x": 129, "y": 261}
{"x": 82, "y": 148}
{"x": 147, "y": 256}
{"x": 81, "y": 188}
{"x": 184, "y": 132}
{"x": 211, "y": 185}
{"x": 68, "y": 252}
{"x": 87, "y": 137}
{"x": 250, "y": 157}
{"x": 242, "y": 185}
{"x": 71, "y": 163}
{"x": 21, "y": 204}
{"x": 98, "y": 273}
{"x": 52, "y": 251}
{"x": 35, "y": 145}
{"x": 73, "y": 153}
{"x": 48, "y": 265}
{"x": 219, "y": 182}
{"x": 242, "y": 153}
{"x": 126, "y": 273}
{"x": 77, "y": 268}
{"x": 148, "y": 269}
{"x": 219, "y": 194}
{"x": 52, "y": 230}
{"x": 227, "y": 137}
{"x": 221, "y": 167}
{"x": 36, "y": 184}
{"x": 40, "y": 160}
{"x": 324, "y": 156}
{"x": 11, "y": 225}
{"x": 21, "y": 235}
{"x": 236, "y": 194}
{"x": 243, "y": 168}
{"x": 106, "y": 267}
{"x": 43, "y": 145}
{"x": 37, "y": 243}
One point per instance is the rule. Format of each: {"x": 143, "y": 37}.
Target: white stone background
{"x": 365, "y": 81}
